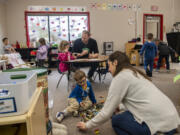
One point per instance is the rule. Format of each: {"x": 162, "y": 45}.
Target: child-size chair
{"x": 61, "y": 73}
{"x": 102, "y": 70}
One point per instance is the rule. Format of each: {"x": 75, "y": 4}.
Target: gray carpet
{"x": 162, "y": 80}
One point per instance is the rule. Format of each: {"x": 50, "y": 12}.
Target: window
{"x": 55, "y": 27}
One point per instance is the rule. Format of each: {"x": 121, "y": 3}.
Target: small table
{"x": 97, "y": 60}
{"x": 3, "y": 63}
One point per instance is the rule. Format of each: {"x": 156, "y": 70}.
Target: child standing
{"x": 81, "y": 98}
{"x": 41, "y": 52}
{"x": 150, "y": 52}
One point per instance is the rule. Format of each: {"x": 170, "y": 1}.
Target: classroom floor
{"x": 58, "y": 97}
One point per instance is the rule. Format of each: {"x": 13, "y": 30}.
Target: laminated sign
{"x": 7, "y": 104}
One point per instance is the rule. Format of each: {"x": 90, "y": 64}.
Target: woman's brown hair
{"x": 124, "y": 63}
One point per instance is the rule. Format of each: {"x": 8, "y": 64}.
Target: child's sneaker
{"x": 59, "y": 116}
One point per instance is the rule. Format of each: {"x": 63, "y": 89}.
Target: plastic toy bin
{"x": 16, "y": 93}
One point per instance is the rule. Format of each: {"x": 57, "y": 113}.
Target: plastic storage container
{"x": 16, "y": 94}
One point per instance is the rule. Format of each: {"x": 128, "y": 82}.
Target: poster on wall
{"x": 57, "y": 8}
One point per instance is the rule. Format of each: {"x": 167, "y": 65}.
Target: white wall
{"x": 176, "y": 11}
{"x": 2, "y": 24}
{"x": 105, "y": 25}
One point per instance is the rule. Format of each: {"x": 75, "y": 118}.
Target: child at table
{"x": 81, "y": 98}
{"x": 64, "y": 55}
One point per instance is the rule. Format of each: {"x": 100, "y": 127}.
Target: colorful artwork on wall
{"x": 57, "y": 8}
{"x": 114, "y": 6}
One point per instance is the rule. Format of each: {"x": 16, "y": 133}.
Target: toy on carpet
{"x": 97, "y": 132}
{"x": 91, "y": 112}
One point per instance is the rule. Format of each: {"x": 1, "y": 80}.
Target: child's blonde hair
{"x": 63, "y": 45}
{"x": 79, "y": 75}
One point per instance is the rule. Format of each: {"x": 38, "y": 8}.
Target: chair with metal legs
{"x": 102, "y": 70}
{"x": 61, "y": 74}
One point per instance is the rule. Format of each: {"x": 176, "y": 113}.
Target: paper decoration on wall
{"x": 104, "y": 6}
{"x": 115, "y": 6}
{"x": 53, "y": 9}
{"x": 46, "y": 9}
{"x": 93, "y": 5}
{"x": 57, "y": 8}
{"x": 109, "y": 6}
{"x": 43, "y": 20}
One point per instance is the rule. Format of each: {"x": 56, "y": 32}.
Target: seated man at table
{"x": 86, "y": 47}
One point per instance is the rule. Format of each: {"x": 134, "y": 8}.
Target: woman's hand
{"x": 81, "y": 126}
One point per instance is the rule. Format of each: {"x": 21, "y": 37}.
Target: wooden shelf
{"x": 34, "y": 118}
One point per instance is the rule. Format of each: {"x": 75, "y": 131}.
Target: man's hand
{"x": 91, "y": 56}
{"x": 81, "y": 126}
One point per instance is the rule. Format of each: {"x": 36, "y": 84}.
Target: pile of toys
{"x": 91, "y": 112}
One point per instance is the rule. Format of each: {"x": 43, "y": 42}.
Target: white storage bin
{"x": 16, "y": 94}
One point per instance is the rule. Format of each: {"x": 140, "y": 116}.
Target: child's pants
{"x": 73, "y": 105}
{"x": 148, "y": 62}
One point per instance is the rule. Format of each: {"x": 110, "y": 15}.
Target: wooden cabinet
{"x": 30, "y": 123}
{"x": 132, "y": 54}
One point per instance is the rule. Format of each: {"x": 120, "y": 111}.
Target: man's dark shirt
{"x": 79, "y": 46}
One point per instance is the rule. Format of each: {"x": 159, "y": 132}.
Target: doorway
{"x": 153, "y": 23}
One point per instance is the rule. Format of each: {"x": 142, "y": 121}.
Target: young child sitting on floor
{"x": 81, "y": 98}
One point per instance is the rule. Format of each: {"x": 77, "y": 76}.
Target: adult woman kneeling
{"x": 148, "y": 110}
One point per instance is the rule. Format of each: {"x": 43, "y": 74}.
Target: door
{"x": 153, "y": 23}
